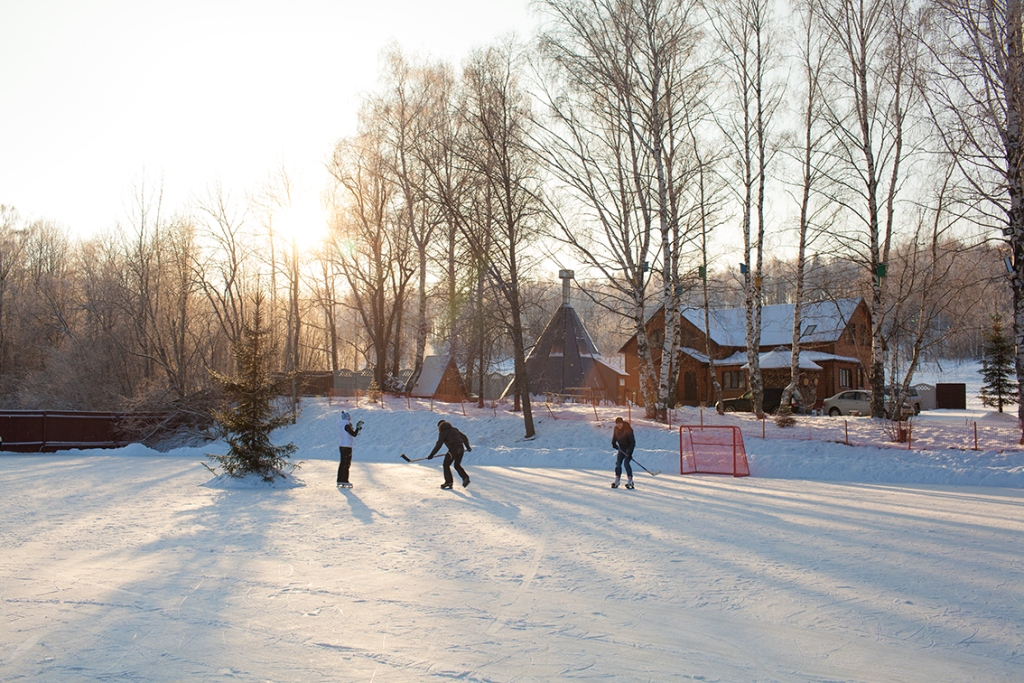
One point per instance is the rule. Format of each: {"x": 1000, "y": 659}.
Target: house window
{"x": 733, "y": 379}
{"x": 657, "y": 337}
{"x": 844, "y": 378}
{"x": 851, "y": 333}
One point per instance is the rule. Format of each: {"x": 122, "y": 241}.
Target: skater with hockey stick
{"x": 347, "y": 438}
{"x": 623, "y": 442}
{"x": 458, "y": 445}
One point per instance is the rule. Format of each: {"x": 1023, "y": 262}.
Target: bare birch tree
{"x": 813, "y": 153}
{"x": 745, "y": 30}
{"x": 876, "y": 72}
{"x": 620, "y": 77}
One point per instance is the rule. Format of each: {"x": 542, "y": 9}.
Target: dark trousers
{"x": 456, "y": 460}
{"x": 622, "y": 460}
{"x": 346, "y": 462}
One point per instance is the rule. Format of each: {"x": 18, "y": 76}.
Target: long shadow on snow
{"x": 776, "y": 540}
{"x": 160, "y": 627}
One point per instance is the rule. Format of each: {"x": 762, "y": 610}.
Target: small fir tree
{"x": 250, "y": 416}
{"x": 998, "y": 367}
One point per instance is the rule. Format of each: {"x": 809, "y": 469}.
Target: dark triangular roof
{"x": 565, "y": 357}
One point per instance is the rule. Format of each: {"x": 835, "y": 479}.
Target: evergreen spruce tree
{"x": 250, "y": 415}
{"x": 997, "y": 367}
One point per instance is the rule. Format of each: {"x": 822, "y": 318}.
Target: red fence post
{"x": 734, "y": 431}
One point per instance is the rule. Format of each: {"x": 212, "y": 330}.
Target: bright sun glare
{"x": 303, "y": 222}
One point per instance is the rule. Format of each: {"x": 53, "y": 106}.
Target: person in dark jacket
{"x": 457, "y": 445}
{"x": 623, "y": 442}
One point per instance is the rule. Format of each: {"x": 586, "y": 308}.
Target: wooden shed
{"x": 440, "y": 380}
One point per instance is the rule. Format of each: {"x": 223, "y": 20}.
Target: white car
{"x": 856, "y": 401}
{"x": 913, "y": 397}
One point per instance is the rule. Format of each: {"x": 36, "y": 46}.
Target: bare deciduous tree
{"x": 496, "y": 152}
{"x": 977, "y": 97}
{"x": 745, "y": 30}
{"x": 876, "y": 72}
{"x": 372, "y": 247}
{"x": 621, "y": 78}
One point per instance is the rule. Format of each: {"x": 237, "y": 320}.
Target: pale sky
{"x": 96, "y": 94}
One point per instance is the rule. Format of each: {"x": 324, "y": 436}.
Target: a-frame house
{"x": 566, "y": 362}
{"x": 441, "y": 380}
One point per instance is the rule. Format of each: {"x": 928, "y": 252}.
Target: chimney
{"x": 566, "y": 276}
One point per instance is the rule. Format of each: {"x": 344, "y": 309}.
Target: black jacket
{"x": 623, "y": 439}
{"x": 451, "y": 437}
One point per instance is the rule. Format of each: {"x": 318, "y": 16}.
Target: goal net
{"x": 712, "y": 450}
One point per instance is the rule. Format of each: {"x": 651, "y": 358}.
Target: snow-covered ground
{"x": 833, "y": 562}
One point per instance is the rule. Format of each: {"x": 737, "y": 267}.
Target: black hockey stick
{"x": 408, "y": 459}
{"x": 653, "y": 474}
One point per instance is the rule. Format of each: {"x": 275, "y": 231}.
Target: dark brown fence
{"x": 37, "y": 431}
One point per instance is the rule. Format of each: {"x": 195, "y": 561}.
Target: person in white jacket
{"x": 346, "y": 439}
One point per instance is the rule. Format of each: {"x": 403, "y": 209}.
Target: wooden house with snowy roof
{"x": 565, "y": 361}
{"x": 440, "y": 380}
{"x": 835, "y": 339}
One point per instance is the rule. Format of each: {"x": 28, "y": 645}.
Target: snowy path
{"x": 119, "y": 567}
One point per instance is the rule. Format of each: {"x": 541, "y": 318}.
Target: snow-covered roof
{"x": 777, "y": 359}
{"x": 695, "y": 354}
{"x": 738, "y": 358}
{"x": 430, "y": 376}
{"x": 820, "y": 356}
{"x": 601, "y": 360}
{"x": 823, "y": 321}
{"x": 505, "y": 366}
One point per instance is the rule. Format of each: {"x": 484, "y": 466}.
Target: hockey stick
{"x": 408, "y": 459}
{"x": 653, "y": 474}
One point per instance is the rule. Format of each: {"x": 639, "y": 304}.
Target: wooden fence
{"x": 45, "y": 431}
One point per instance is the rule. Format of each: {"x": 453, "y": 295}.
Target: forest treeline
{"x": 672, "y": 153}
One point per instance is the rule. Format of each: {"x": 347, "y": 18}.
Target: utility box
{"x": 926, "y": 393}
{"x": 951, "y": 396}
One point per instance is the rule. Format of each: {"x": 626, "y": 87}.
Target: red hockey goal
{"x": 712, "y": 450}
